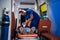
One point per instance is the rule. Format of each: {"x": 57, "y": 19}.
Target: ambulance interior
{"x": 48, "y": 26}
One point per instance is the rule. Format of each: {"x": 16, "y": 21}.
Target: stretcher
{"x": 26, "y": 35}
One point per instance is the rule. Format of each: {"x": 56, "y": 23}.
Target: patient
{"x": 26, "y": 30}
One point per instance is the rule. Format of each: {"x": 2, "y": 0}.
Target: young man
{"x": 22, "y": 12}
{"x": 32, "y": 17}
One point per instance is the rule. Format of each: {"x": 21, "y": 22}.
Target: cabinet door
{"x": 44, "y": 25}
{"x": 12, "y": 24}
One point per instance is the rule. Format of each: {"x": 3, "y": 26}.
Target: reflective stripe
{"x": 6, "y": 22}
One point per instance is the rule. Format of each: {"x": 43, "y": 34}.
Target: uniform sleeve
{"x": 26, "y": 16}
{"x": 28, "y": 12}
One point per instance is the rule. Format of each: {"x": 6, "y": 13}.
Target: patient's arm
{"x": 28, "y": 23}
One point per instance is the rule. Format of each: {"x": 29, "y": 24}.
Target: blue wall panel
{"x": 55, "y": 6}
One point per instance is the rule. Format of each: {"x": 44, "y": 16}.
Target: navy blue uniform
{"x": 35, "y": 20}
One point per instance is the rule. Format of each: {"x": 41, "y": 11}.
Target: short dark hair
{"x": 20, "y": 11}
